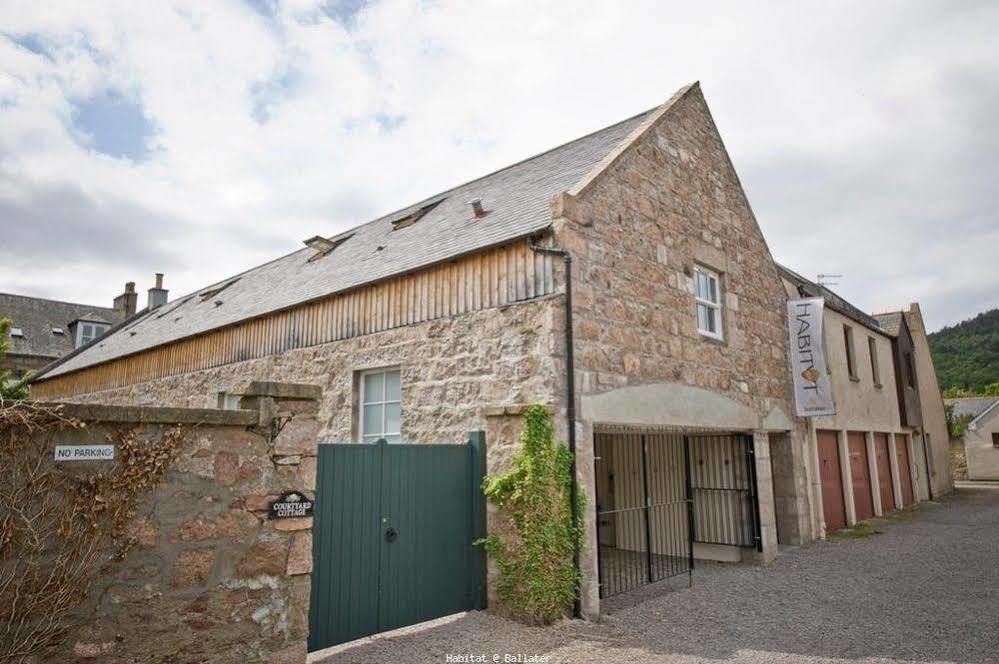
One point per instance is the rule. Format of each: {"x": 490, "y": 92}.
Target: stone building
{"x": 43, "y": 331}
{"x": 452, "y": 314}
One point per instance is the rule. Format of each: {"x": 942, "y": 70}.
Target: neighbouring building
{"x": 43, "y": 331}
{"x": 981, "y": 438}
{"x": 920, "y": 400}
{"x": 621, "y": 279}
{"x": 864, "y": 460}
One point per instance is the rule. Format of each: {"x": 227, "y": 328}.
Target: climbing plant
{"x": 61, "y": 527}
{"x": 538, "y": 579}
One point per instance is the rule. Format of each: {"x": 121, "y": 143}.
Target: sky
{"x": 200, "y": 138}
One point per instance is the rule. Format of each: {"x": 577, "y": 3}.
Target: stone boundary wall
{"x": 209, "y": 578}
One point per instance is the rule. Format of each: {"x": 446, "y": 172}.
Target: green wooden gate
{"x": 392, "y": 537}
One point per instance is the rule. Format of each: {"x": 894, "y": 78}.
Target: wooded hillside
{"x": 966, "y": 355}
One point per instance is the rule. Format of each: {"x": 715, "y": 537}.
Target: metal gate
{"x": 393, "y": 537}
{"x": 723, "y": 489}
{"x": 643, "y": 509}
{"x": 658, "y": 493}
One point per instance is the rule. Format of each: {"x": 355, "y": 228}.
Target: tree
{"x": 11, "y": 387}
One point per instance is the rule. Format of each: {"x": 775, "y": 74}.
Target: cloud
{"x": 224, "y": 133}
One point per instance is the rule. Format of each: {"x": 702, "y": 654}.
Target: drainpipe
{"x": 570, "y": 386}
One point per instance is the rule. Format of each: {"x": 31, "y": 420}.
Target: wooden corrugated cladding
{"x": 493, "y": 278}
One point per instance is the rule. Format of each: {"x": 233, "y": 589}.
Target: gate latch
{"x": 390, "y": 535}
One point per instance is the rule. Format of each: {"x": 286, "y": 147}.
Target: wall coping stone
{"x": 91, "y": 412}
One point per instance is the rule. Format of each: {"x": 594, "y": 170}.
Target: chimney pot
{"x": 157, "y": 295}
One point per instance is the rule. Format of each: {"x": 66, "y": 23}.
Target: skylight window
{"x": 212, "y": 292}
{"x": 414, "y": 217}
{"x": 324, "y": 246}
{"x": 57, "y": 330}
{"x": 16, "y": 332}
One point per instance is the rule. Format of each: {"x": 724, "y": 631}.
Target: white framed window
{"x": 87, "y": 332}
{"x": 380, "y": 405}
{"x": 707, "y": 294}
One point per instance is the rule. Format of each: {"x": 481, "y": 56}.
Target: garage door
{"x": 860, "y": 471}
{"x": 833, "y": 509}
{"x": 881, "y": 456}
{"x": 904, "y": 472}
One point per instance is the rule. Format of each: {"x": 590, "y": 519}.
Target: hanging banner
{"x": 812, "y": 390}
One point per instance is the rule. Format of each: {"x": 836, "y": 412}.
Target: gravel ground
{"x": 925, "y": 588}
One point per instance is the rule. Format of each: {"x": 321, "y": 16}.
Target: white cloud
{"x": 861, "y": 131}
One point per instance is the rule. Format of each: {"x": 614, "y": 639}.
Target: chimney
{"x": 127, "y": 302}
{"x": 157, "y": 294}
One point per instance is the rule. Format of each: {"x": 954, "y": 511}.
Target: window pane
{"x": 392, "y": 391}
{"x": 393, "y": 415}
{"x": 702, "y": 317}
{"x": 373, "y": 419}
{"x": 700, "y": 286}
{"x": 712, "y": 321}
{"x": 713, "y": 289}
{"x": 374, "y": 384}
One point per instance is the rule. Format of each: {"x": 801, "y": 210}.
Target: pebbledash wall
{"x": 209, "y": 577}
{"x": 668, "y": 202}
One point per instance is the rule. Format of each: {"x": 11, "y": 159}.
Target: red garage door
{"x": 863, "y": 497}
{"x": 881, "y": 456}
{"x": 904, "y": 472}
{"x": 832, "y": 481}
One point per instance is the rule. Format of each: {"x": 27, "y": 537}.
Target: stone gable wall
{"x": 672, "y": 200}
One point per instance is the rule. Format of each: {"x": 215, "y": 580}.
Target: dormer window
{"x": 87, "y": 332}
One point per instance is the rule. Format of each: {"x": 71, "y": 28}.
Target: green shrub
{"x": 538, "y": 579}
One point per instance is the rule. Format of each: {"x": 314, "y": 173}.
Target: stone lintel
{"x": 276, "y": 390}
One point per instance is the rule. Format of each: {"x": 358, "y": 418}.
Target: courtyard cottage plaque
{"x": 289, "y": 505}
{"x": 84, "y": 452}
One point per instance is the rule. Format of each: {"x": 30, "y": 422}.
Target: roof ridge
{"x": 48, "y": 299}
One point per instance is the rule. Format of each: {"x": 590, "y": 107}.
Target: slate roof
{"x": 971, "y": 407}
{"x": 517, "y": 198}
{"x": 37, "y": 316}
{"x": 890, "y": 322}
{"x": 808, "y": 288}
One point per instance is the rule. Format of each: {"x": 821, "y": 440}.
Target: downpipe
{"x": 570, "y": 411}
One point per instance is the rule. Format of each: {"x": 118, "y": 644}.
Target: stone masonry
{"x": 452, "y": 371}
{"x": 209, "y": 578}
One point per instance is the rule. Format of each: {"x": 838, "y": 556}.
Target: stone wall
{"x": 668, "y": 201}
{"x": 452, "y": 370}
{"x": 208, "y": 576}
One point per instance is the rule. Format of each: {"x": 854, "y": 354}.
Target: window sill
{"x": 707, "y": 336}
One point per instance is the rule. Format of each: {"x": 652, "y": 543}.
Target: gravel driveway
{"x": 924, "y": 589}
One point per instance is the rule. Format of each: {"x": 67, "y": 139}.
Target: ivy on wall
{"x": 60, "y": 528}
{"x": 538, "y": 579}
